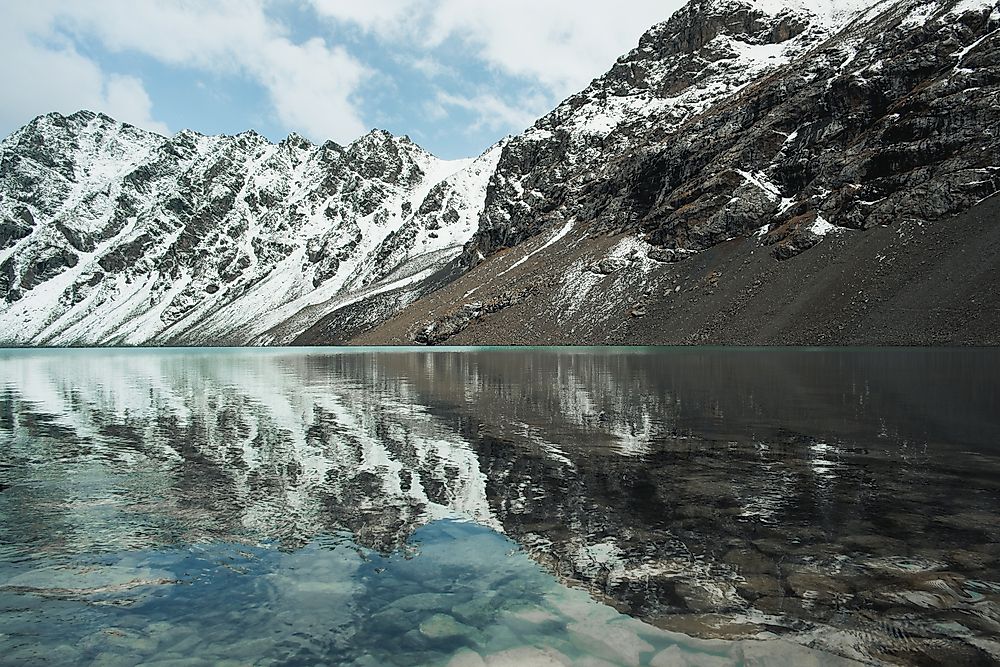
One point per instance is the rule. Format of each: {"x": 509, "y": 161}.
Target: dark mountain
{"x": 675, "y": 200}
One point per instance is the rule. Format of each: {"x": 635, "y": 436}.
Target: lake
{"x": 549, "y": 506}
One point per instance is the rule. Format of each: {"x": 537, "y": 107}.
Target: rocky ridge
{"x": 776, "y": 124}
{"x": 782, "y": 119}
{"x": 114, "y": 235}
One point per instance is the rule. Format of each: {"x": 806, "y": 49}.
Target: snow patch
{"x": 555, "y": 238}
{"x": 761, "y": 181}
{"x": 820, "y": 227}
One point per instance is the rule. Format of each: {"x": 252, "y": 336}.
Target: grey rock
{"x": 609, "y": 265}
{"x": 854, "y": 134}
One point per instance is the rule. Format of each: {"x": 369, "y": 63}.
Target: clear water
{"x": 492, "y": 506}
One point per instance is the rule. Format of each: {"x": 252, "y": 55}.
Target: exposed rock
{"x": 838, "y": 124}
{"x": 664, "y": 255}
{"x": 443, "y": 328}
{"x": 609, "y": 265}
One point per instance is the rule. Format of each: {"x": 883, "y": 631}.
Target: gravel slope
{"x": 907, "y": 284}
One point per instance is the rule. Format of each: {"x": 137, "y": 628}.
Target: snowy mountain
{"x": 674, "y": 199}
{"x": 111, "y": 234}
{"x": 738, "y": 133}
{"x": 736, "y": 115}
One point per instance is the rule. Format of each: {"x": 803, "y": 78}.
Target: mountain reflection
{"x": 719, "y": 493}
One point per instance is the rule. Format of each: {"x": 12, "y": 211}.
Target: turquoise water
{"x": 455, "y": 590}
{"x": 545, "y": 506}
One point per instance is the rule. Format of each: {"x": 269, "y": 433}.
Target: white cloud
{"x": 309, "y": 84}
{"x": 125, "y": 98}
{"x": 53, "y": 76}
{"x": 562, "y": 45}
{"x": 430, "y": 67}
{"x": 375, "y": 15}
{"x": 546, "y": 49}
{"x": 555, "y": 47}
{"x": 492, "y": 112}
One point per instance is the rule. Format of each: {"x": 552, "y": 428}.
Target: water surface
{"x": 532, "y": 506}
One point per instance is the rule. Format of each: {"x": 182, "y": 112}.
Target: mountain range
{"x": 769, "y": 172}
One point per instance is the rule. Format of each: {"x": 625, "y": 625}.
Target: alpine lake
{"x": 498, "y": 506}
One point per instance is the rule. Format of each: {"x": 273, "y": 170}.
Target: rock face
{"x": 734, "y": 117}
{"x": 111, "y": 234}
{"x": 782, "y": 123}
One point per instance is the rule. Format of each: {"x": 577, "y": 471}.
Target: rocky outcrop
{"x": 733, "y": 117}
{"x": 447, "y": 326}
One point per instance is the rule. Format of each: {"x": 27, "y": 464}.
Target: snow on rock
{"x": 110, "y": 234}
{"x": 821, "y": 227}
{"x": 735, "y": 115}
{"x": 834, "y": 13}
{"x": 706, "y": 53}
{"x": 761, "y": 181}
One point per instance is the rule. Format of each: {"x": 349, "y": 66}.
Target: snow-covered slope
{"x": 115, "y": 235}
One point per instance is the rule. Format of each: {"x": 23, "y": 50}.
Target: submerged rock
{"x": 528, "y": 655}
{"x": 466, "y": 658}
{"x": 443, "y": 626}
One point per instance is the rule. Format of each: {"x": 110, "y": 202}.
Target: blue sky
{"x": 455, "y": 75}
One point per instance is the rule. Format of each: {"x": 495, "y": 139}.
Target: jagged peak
{"x": 57, "y": 126}
{"x": 828, "y": 11}
{"x": 332, "y": 146}
{"x": 79, "y": 118}
{"x": 83, "y": 116}
{"x": 826, "y": 14}
{"x": 252, "y": 135}
{"x": 378, "y": 133}
{"x": 374, "y": 138}
{"x": 381, "y": 138}
{"x": 187, "y": 133}
{"x": 296, "y": 140}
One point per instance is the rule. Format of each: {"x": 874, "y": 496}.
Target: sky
{"x": 453, "y": 75}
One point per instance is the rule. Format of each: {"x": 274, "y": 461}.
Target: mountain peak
{"x": 296, "y": 140}
{"x": 376, "y": 136}
{"x": 383, "y": 140}
{"x": 828, "y": 11}
{"x": 75, "y": 120}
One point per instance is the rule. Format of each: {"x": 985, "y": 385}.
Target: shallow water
{"x": 533, "y": 506}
